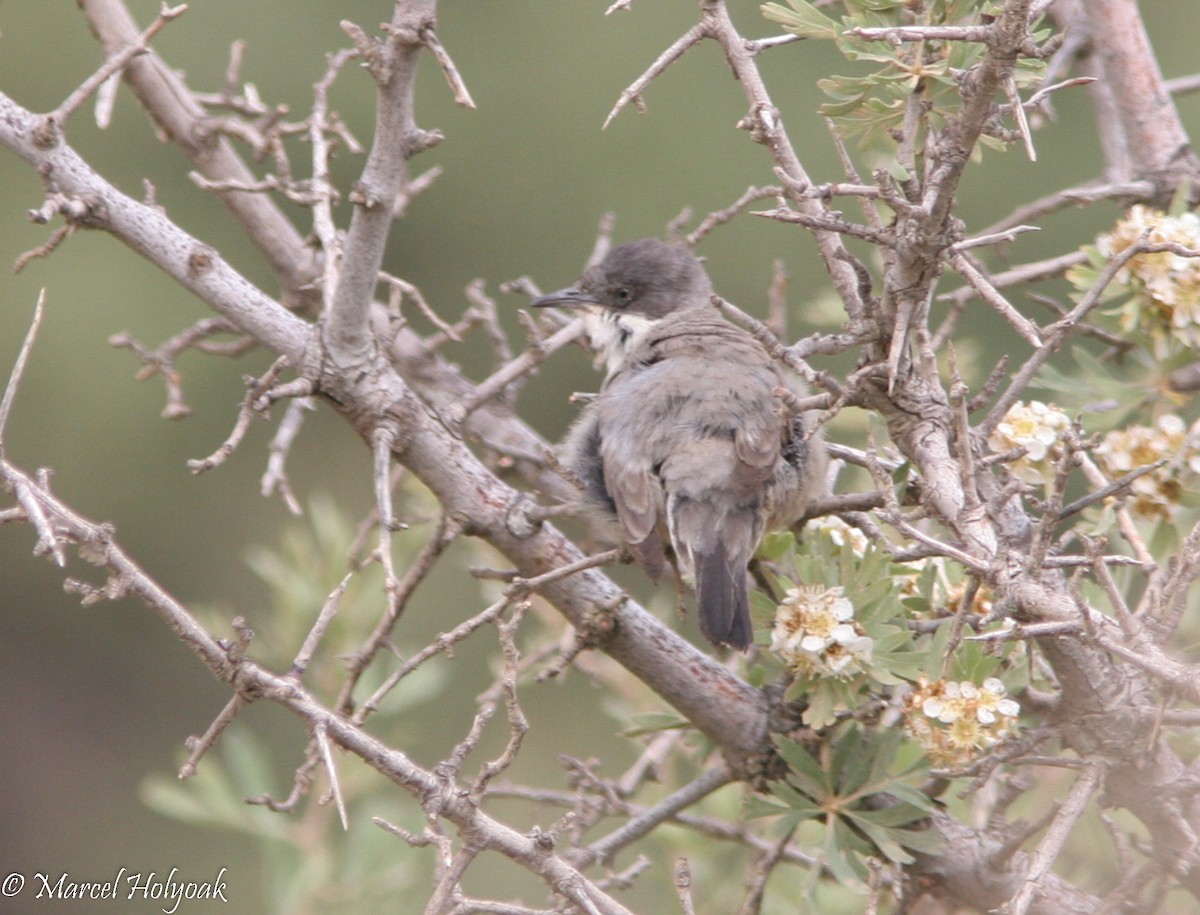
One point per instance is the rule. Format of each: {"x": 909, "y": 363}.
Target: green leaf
{"x": 248, "y": 760}
{"x": 910, "y": 795}
{"x": 806, "y": 772}
{"x": 214, "y": 797}
{"x": 882, "y": 838}
{"x": 1164, "y": 541}
{"x": 1181, "y": 201}
{"x": 795, "y": 801}
{"x": 972, "y": 662}
{"x": 890, "y": 817}
{"x": 823, "y": 704}
{"x": 802, "y": 19}
{"x": 776, "y": 545}
{"x": 883, "y": 751}
{"x": 925, "y": 841}
{"x": 936, "y": 650}
{"x": 653, "y": 722}
{"x": 844, "y": 852}
{"x": 841, "y": 109}
{"x": 762, "y": 609}
{"x": 853, "y": 761}
{"x": 756, "y": 806}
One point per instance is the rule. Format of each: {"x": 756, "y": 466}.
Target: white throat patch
{"x": 615, "y": 336}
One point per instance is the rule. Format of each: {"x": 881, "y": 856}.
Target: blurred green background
{"x": 95, "y": 700}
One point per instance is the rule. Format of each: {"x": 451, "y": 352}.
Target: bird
{"x": 687, "y": 441}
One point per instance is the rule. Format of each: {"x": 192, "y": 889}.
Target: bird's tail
{"x": 717, "y": 543}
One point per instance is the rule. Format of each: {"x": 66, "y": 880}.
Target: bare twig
{"x": 683, "y": 885}
{"x": 495, "y": 384}
{"x": 1090, "y": 192}
{"x": 405, "y": 288}
{"x": 321, "y": 736}
{"x": 633, "y": 92}
{"x": 1021, "y": 324}
{"x": 346, "y": 332}
{"x": 603, "y": 849}
{"x": 18, "y": 369}
{"x": 275, "y": 476}
{"x": 1042, "y": 859}
{"x": 898, "y": 33}
{"x": 320, "y": 625}
{"x": 720, "y": 217}
{"x": 114, "y": 65}
{"x": 530, "y": 585}
{"x": 205, "y": 742}
{"x": 763, "y": 868}
{"x": 57, "y": 237}
{"x": 161, "y": 361}
{"x": 461, "y": 95}
{"x": 1055, "y": 334}
{"x": 254, "y": 391}
{"x": 1018, "y": 112}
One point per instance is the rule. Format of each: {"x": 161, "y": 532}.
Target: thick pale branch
{"x": 347, "y": 331}
{"x": 149, "y": 232}
{"x": 1155, "y": 141}
{"x": 181, "y": 118}
{"x": 113, "y": 65}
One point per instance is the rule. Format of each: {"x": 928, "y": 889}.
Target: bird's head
{"x": 648, "y": 279}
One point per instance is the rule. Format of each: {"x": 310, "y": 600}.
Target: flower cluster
{"x": 1036, "y": 427}
{"x": 839, "y": 532}
{"x": 1156, "y": 494}
{"x": 982, "y": 603}
{"x": 955, "y": 720}
{"x": 815, "y": 633}
{"x": 1165, "y": 285}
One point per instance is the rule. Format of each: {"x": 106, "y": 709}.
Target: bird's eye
{"x": 622, "y": 294}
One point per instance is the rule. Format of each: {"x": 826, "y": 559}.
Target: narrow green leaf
{"x": 802, "y": 19}
{"x": 822, "y": 705}
{"x": 883, "y": 751}
{"x": 917, "y": 798}
{"x": 882, "y": 838}
{"x": 653, "y": 722}
{"x": 891, "y": 817}
{"x": 853, "y": 762}
{"x": 756, "y": 806}
{"x": 843, "y": 853}
{"x": 806, "y": 772}
{"x": 841, "y": 109}
{"x": 795, "y": 801}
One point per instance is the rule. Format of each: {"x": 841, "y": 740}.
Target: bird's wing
{"x": 757, "y": 445}
{"x": 636, "y": 495}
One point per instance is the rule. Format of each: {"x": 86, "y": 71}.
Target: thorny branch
{"x": 413, "y": 407}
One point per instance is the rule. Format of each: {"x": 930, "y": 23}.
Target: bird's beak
{"x": 571, "y": 297}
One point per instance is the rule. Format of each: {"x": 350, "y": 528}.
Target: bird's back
{"x": 697, "y": 374}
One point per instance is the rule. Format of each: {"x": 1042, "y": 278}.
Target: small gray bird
{"x": 687, "y": 437}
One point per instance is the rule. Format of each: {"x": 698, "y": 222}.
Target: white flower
{"x": 1037, "y": 428}
{"x": 839, "y": 532}
{"x": 815, "y": 633}
{"x": 1156, "y": 494}
{"x": 1164, "y": 286}
{"x": 954, "y": 720}
{"x": 935, "y": 707}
